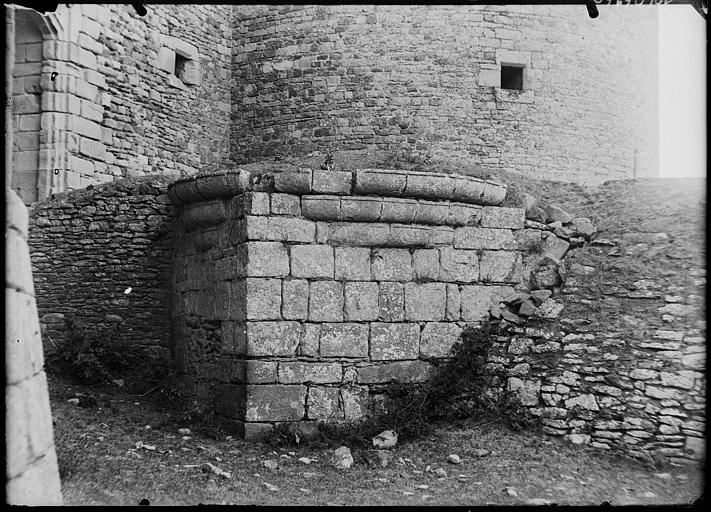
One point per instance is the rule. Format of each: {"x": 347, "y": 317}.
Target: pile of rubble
{"x": 558, "y": 232}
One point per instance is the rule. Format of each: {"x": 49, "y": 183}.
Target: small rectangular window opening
{"x": 512, "y": 77}
{"x": 179, "y": 65}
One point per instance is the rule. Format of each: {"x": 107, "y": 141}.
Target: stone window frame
{"x": 190, "y": 74}
{"x": 490, "y": 76}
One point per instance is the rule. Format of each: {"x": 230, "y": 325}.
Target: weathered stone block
{"x": 267, "y": 259}
{"x": 321, "y": 207}
{"x": 483, "y": 238}
{"x": 477, "y": 300}
{"x": 352, "y": 263}
{"x": 392, "y": 265}
{"x": 391, "y": 302}
{"x": 398, "y": 210}
{"x": 453, "y": 311}
{"x": 285, "y": 204}
{"x": 391, "y": 341}
{"x": 363, "y": 209}
{"x": 344, "y": 340}
{"x": 312, "y": 261}
{"x": 425, "y": 263}
{"x": 681, "y": 379}
{"x": 526, "y": 391}
{"x": 355, "y": 402}
{"x": 500, "y": 266}
{"x": 278, "y": 338}
{"x": 282, "y": 229}
{"x": 295, "y": 299}
{"x": 463, "y": 215}
{"x": 437, "y": 339}
{"x": 274, "y": 402}
{"x": 309, "y": 340}
{"x": 255, "y": 203}
{"x": 502, "y": 218}
{"x": 332, "y": 182}
{"x": 586, "y": 402}
{"x": 378, "y": 182}
{"x": 353, "y": 233}
{"x": 263, "y": 301}
{"x": 425, "y": 302}
{"x": 293, "y": 182}
{"x": 459, "y": 265}
{"x": 403, "y": 371}
{"x": 429, "y": 212}
{"x": 323, "y": 403}
{"x": 361, "y": 301}
{"x": 297, "y": 372}
{"x": 326, "y": 301}
{"x": 519, "y": 345}
{"x": 429, "y": 185}
{"x": 419, "y": 235}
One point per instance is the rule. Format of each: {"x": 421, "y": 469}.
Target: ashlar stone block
{"x": 477, "y": 300}
{"x": 394, "y": 341}
{"x": 352, "y": 263}
{"x": 344, "y": 340}
{"x": 438, "y": 337}
{"x": 298, "y": 372}
{"x": 263, "y": 300}
{"x": 267, "y": 259}
{"x": 295, "y": 299}
{"x": 326, "y": 301}
{"x": 426, "y": 264}
{"x": 361, "y": 301}
{"x": 275, "y": 402}
{"x": 425, "y": 302}
{"x": 458, "y": 265}
{"x": 392, "y": 265}
{"x": 391, "y": 302}
{"x": 403, "y": 371}
{"x": 500, "y": 266}
{"x": 278, "y": 338}
{"x": 323, "y": 403}
{"x": 312, "y": 261}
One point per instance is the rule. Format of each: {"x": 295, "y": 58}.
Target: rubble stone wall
{"x": 427, "y": 78}
{"x": 621, "y": 365}
{"x": 31, "y": 474}
{"x": 295, "y": 299}
{"x": 90, "y": 246}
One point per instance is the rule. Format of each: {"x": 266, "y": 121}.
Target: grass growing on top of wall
{"x": 458, "y": 391}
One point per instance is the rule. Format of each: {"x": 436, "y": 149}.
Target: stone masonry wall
{"x": 31, "y": 474}
{"x": 297, "y": 294}
{"x": 620, "y": 364}
{"x": 109, "y": 100}
{"x": 391, "y": 77}
{"x": 90, "y": 246}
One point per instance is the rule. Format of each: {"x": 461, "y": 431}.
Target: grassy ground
{"x": 101, "y": 465}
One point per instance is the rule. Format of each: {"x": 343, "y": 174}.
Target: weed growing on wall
{"x": 458, "y": 391}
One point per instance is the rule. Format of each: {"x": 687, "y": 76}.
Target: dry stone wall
{"x": 89, "y": 247}
{"x": 31, "y": 474}
{"x": 620, "y": 361}
{"x": 298, "y": 293}
{"x": 427, "y": 78}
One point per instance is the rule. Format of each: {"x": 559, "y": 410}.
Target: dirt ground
{"x": 119, "y": 449}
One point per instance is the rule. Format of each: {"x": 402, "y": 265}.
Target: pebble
{"x": 423, "y": 486}
{"x": 304, "y": 460}
{"x": 454, "y": 459}
{"x": 271, "y": 487}
{"x": 481, "y": 452}
{"x": 440, "y": 473}
{"x": 511, "y": 492}
{"x": 73, "y": 401}
{"x": 408, "y": 493}
{"x": 184, "y": 431}
{"x": 270, "y": 464}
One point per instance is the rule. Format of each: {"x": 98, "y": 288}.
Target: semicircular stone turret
{"x": 297, "y": 292}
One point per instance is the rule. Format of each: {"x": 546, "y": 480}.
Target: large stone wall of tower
{"x": 103, "y": 96}
{"x": 314, "y": 78}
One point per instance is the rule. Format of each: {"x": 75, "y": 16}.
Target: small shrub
{"x": 96, "y": 354}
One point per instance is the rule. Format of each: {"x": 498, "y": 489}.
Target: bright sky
{"x": 682, "y": 92}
